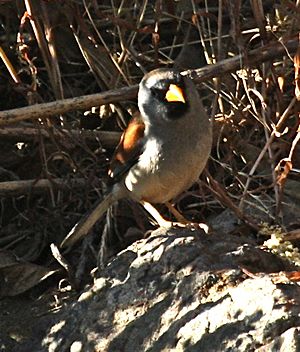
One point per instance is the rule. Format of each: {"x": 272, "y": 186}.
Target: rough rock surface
{"x": 181, "y": 290}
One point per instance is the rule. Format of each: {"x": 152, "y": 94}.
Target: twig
{"x": 222, "y": 196}
{"x": 20, "y": 187}
{"x": 65, "y": 264}
{"x": 254, "y": 57}
{"x": 62, "y": 106}
{"x": 269, "y": 141}
{"x": 9, "y": 66}
{"x": 42, "y": 30}
{"x": 25, "y": 134}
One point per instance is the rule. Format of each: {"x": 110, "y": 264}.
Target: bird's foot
{"x": 188, "y": 225}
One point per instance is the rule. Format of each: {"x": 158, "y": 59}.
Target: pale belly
{"x": 162, "y": 181}
{"x": 163, "y": 171}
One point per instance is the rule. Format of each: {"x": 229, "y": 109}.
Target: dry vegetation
{"x": 54, "y": 148}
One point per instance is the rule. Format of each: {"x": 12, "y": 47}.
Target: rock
{"x": 181, "y": 290}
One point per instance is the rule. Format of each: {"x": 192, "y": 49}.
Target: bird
{"x": 162, "y": 152}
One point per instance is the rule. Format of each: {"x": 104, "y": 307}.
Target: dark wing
{"x": 128, "y": 150}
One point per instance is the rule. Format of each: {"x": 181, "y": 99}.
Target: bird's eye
{"x": 158, "y": 93}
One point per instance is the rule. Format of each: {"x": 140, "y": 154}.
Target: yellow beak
{"x": 175, "y": 93}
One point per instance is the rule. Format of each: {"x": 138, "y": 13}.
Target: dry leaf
{"x": 285, "y": 277}
{"x": 18, "y": 276}
{"x": 286, "y": 169}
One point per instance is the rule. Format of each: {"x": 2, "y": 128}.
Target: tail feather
{"x": 87, "y": 222}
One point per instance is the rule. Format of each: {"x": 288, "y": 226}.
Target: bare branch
{"x": 26, "y": 134}
{"x": 21, "y": 187}
{"x": 58, "y": 107}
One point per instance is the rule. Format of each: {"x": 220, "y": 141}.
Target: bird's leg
{"x": 178, "y": 216}
{"x": 156, "y": 215}
{"x": 182, "y": 221}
